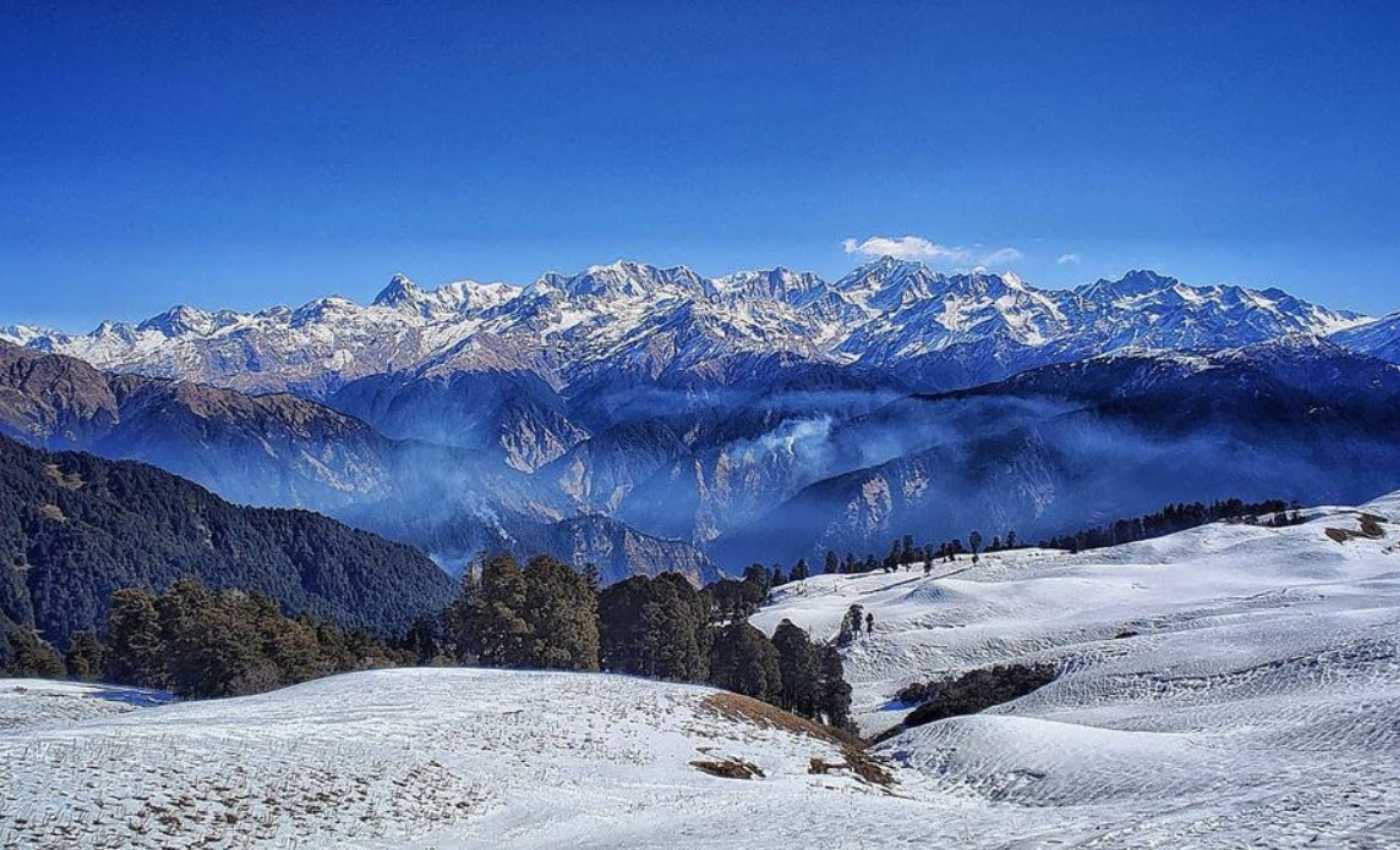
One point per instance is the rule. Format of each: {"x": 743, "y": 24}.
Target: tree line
{"x": 546, "y": 615}
{"x": 1174, "y": 518}
{"x": 197, "y": 642}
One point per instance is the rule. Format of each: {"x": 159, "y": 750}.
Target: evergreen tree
{"x": 850, "y": 625}
{"x": 85, "y": 658}
{"x": 758, "y": 575}
{"x": 744, "y": 661}
{"x": 799, "y": 570}
{"x": 655, "y": 627}
{"x": 834, "y": 694}
{"x": 134, "y": 639}
{"x": 497, "y": 626}
{"x": 799, "y": 664}
{"x": 458, "y": 620}
{"x": 23, "y": 653}
{"x": 831, "y": 564}
{"x": 593, "y": 576}
{"x": 561, "y": 618}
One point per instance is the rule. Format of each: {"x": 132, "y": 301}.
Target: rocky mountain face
{"x": 266, "y": 450}
{"x": 281, "y": 450}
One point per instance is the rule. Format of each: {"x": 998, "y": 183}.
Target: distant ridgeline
{"x": 75, "y": 528}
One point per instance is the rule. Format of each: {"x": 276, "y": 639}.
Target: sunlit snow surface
{"x": 1258, "y": 705}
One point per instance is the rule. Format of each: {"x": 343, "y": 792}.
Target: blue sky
{"x": 153, "y": 154}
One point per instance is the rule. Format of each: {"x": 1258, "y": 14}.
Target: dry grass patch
{"x": 1370, "y": 529}
{"x": 742, "y": 709}
{"x": 66, "y": 480}
{"x": 730, "y": 768}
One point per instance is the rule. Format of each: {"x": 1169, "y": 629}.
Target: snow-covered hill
{"x": 431, "y": 758}
{"x": 642, "y": 322}
{"x": 1228, "y": 684}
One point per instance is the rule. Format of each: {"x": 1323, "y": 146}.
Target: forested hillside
{"x": 74, "y": 528}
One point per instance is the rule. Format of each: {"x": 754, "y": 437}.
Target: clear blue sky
{"x": 154, "y": 154}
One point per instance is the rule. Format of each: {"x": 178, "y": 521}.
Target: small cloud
{"x": 1067, "y": 259}
{"x": 919, "y": 248}
{"x": 1001, "y": 257}
{"x": 904, "y": 248}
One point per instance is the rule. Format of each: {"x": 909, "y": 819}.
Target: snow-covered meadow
{"x": 1228, "y": 686}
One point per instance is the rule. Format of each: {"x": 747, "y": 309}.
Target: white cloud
{"x": 905, "y": 248}
{"x": 919, "y": 248}
{"x": 1001, "y": 257}
{"x": 1067, "y": 259}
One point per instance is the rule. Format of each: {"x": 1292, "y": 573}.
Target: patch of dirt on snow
{"x": 742, "y": 709}
{"x": 730, "y": 768}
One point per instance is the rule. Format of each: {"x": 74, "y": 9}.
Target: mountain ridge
{"x": 944, "y": 330}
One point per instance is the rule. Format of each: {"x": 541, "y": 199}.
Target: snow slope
{"x": 1225, "y": 685}
{"x": 1228, "y": 686}
{"x": 424, "y": 758}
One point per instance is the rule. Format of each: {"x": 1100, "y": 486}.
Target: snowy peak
{"x": 632, "y": 280}
{"x": 775, "y": 284}
{"x": 956, "y": 329}
{"x": 1378, "y": 337}
{"x": 1135, "y": 282}
{"x": 178, "y": 321}
{"x": 400, "y": 291}
{"x": 463, "y": 297}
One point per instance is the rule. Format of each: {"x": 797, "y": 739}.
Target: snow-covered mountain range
{"x": 639, "y": 322}
{"x": 643, "y": 415}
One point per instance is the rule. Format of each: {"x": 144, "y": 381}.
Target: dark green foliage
{"x": 136, "y": 655}
{"x": 744, "y": 661}
{"x": 75, "y": 528}
{"x": 199, "y": 642}
{"x": 497, "y": 615}
{"x": 655, "y": 627}
{"x": 458, "y": 620}
{"x": 24, "y": 654}
{"x": 545, "y": 616}
{"x": 737, "y": 600}
{"x": 758, "y": 575}
{"x": 974, "y": 691}
{"x": 850, "y": 625}
{"x": 833, "y": 691}
{"x": 87, "y": 657}
{"x": 427, "y": 639}
{"x": 561, "y": 608}
{"x": 799, "y": 663}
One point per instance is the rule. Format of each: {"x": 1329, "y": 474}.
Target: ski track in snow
{"x": 1257, "y": 705}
